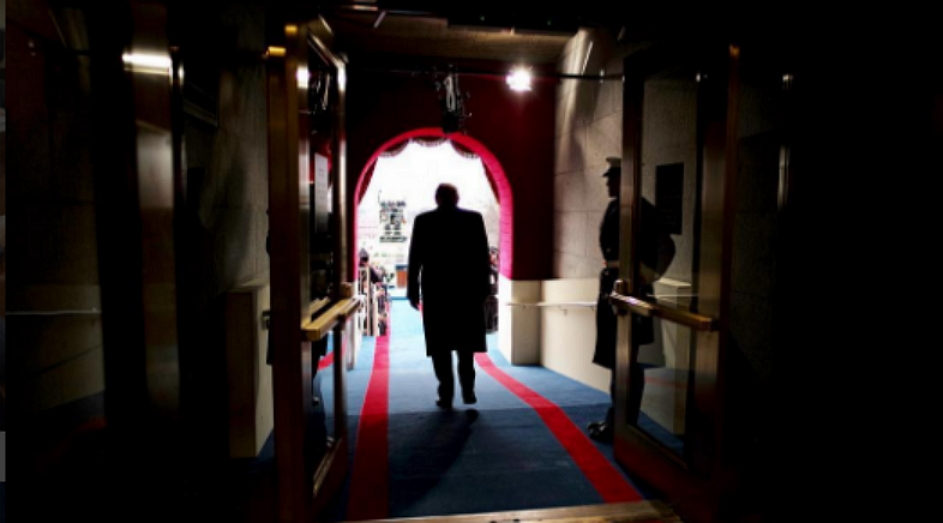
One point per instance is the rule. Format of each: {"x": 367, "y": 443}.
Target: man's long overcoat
{"x": 449, "y": 269}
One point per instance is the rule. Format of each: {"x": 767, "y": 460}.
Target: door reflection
{"x": 323, "y": 431}
{"x": 667, "y": 248}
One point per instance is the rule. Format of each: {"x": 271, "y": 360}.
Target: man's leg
{"x": 611, "y": 413}
{"x": 637, "y": 388}
{"x": 605, "y": 353}
{"x": 466, "y": 375}
{"x": 442, "y": 363}
{"x": 603, "y": 430}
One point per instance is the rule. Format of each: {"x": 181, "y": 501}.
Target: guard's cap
{"x": 615, "y": 167}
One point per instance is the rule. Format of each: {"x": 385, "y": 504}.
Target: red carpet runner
{"x": 326, "y": 361}
{"x": 369, "y": 478}
{"x": 610, "y": 484}
{"x": 369, "y": 485}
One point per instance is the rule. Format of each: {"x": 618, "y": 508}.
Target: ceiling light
{"x": 519, "y": 79}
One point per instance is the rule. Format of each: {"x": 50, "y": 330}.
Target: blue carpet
{"x": 453, "y": 462}
{"x": 493, "y": 456}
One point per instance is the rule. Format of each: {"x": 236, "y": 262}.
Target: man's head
{"x": 613, "y": 176}
{"x": 446, "y": 195}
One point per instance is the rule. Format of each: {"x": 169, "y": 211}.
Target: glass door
{"x": 706, "y": 179}
{"x": 666, "y": 248}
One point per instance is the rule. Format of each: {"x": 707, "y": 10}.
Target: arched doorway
{"x": 398, "y": 183}
{"x": 466, "y": 144}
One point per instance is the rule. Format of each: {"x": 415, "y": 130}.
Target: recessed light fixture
{"x": 519, "y": 79}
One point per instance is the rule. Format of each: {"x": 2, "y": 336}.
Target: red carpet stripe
{"x": 369, "y": 496}
{"x": 326, "y": 361}
{"x": 607, "y": 480}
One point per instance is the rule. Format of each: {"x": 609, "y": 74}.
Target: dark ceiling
{"x": 377, "y": 31}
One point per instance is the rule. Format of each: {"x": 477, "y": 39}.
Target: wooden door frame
{"x": 331, "y": 472}
{"x": 291, "y": 365}
{"x": 304, "y": 486}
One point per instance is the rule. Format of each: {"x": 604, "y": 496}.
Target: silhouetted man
{"x": 605, "y": 353}
{"x": 656, "y": 250}
{"x": 449, "y": 272}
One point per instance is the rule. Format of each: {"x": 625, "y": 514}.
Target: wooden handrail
{"x": 314, "y": 307}
{"x": 338, "y": 313}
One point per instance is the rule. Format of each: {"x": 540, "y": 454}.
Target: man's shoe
{"x": 602, "y": 433}
{"x": 470, "y": 398}
{"x": 443, "y": 404}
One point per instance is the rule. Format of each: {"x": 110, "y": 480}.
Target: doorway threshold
{"x": 631, "y": 512}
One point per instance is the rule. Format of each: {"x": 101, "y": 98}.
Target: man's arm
{"x": 483, "y": 253}
{"x": 415, "y": 264}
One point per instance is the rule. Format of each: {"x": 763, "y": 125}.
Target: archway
{"x": 493, "y": 171}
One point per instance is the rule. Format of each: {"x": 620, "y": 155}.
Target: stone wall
{"x": 588, "y": 129}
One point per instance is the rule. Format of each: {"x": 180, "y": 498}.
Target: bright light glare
{"x": 519, "y": 80}
{"x": 148, "y": 63}
{"x": 412, "y": 176}
{"x": 303, "y": 77}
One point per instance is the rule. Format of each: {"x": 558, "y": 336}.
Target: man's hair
{"x": 446, "y": 195}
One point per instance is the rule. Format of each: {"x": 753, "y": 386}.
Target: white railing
{"x": 559, "y": 304}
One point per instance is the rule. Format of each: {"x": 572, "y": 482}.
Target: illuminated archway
{"x": 493, "y": 170}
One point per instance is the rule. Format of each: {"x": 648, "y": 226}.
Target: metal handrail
{"x": 550, "y": 303}
{"x": 643, "y": 308}
{"x": 587, "y": 304}
{"x": 72, "y": 312}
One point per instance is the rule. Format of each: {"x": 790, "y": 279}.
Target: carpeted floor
{"x": 522, "y": 446}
